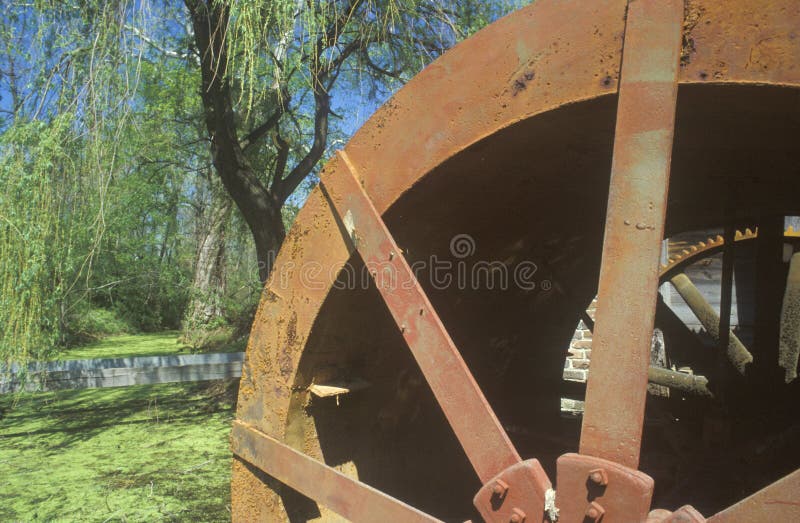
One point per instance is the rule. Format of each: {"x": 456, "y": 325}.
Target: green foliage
{"x": 90, "y": 323}
{"x": 289, "y": 212}
{"x": 269, "y": 43}
{"x": 217, "y": 336}
{"x": 105, "y": 172}
{"x": 91, "y": 179}
{"x": 33, "y": 242}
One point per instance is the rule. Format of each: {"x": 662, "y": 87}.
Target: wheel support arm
{"x": 616, "y": 391}
{"x": 344, "y": 495}
{"x": 477, "y": 428}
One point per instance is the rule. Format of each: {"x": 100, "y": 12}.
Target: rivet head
{"x": 517, "y": 516}
{"x": 598, "y": 477}
{"x": 595, "y": 511}
{"x": 499, "y": 488}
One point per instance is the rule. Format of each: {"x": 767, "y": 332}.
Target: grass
{"x": 149, "y": 344}
{"x": 144, "y": 453}
{"x": 165, "y": 343}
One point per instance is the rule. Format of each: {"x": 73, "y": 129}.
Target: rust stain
{"x": 521, "y": 82}
{"x": 692, "y": 14}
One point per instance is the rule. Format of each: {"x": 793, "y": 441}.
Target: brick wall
{"x": 576, "y": 365}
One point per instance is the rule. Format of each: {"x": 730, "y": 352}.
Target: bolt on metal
{"x": 500, "y": 488}
{"x": 595, "y": 511}
{"x": 599, "y": 477}
{"x": 517, "y": 516}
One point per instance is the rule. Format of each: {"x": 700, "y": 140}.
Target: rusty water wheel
{"x": 498, "y": 156}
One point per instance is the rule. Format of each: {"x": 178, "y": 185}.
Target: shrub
{"x": 93, "y": 323}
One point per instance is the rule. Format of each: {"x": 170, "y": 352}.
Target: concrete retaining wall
{"x": 123, "y": 372}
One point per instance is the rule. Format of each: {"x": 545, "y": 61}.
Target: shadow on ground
{"x": 144, "y": 453}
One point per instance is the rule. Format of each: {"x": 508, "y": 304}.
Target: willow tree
{"x": 95, "y": 149}
{"x": 269, "y": 71}
{"x": 63, "y": 103}
{"x": 269, "y": 86}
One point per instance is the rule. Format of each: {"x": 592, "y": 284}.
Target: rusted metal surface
{"x": 685, "y": 514}
{"x": 519, "y": 491}
{"x": 346, "y": 496}
{"x": 736, "y": 352}
{"x": 483, "y": 438}
{"x": 637, "y": 203}
{"x": 770, "y": 281}
{"x": 777, "y": 502}
{"x": 470, "y": 94}
{"x": 590, "y": 487}
{"x": 763, "y": 49}
{"x": 789, "y": 349}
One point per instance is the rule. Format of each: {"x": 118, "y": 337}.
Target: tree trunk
{"x": 268, "y": 236}
{"x": 208, "y": 286}
{"x": 260, "y": 201}
{"x": 260, "y": 208}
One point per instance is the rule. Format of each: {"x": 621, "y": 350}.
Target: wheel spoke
{"x": 682, "y": 342}
{"x": 770, "y": 280}
{"x": 477, "y": 428}
{"x": 689, "y": 383}
{"x": 737, "y": 353}
{"x": 724, "y": 333}
{"x": 776, "y": 502}
{"x": 616, "y": 391}
{"x": 693, "y": 384}
{"x": 344, "y": 495}
{"x": 789, "y": 347}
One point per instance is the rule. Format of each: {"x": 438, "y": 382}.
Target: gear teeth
{"x": 698, "y": 249}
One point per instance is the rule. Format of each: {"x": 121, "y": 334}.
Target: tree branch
{"x": 280, "y": 161}
{"x": 271, "y": 122}
{"x": 158, "y": 47}
{"x": 322, "y": 103}
{"x": 209, "y": 19}
{"x": 397, "y": 75}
